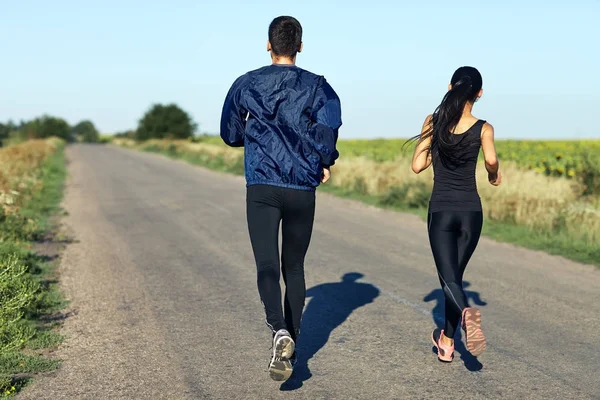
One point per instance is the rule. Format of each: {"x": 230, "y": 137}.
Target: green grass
{"x": 209, "y": 139}
{"x": 556, "y": 244}
{"x": 46, "y": 203}
{"x": 17, "y": 367}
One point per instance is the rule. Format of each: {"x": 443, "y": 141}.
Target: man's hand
{"x": 495, "y": 179}
{"x": 326, "y": 175}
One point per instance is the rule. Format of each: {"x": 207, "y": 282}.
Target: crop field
{"x": 554, "y": 158}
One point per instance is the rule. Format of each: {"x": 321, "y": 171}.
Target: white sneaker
{"x": 280, "y": 367}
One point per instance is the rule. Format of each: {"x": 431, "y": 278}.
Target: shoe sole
{"x": 474, "y": 339}
{"x": 280, "y": 367}
{"x": 438, "y": 350}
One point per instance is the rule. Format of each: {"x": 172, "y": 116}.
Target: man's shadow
{"x": 438, "y": 312}
{"x": 331, "y": 304}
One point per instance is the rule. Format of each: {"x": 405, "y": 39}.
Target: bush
{"x": 163, "y": 122}
{"x": 45, "y": 127}
{"x": 86, "y": 132}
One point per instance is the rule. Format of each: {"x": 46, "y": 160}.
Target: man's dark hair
{"x": 285, "y": 35}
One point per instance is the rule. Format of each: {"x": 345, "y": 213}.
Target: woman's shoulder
{"x": 486, "y": 127}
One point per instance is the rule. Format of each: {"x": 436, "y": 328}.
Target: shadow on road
{"x": 331, "y": 304}
{"x": 438, "y": 312}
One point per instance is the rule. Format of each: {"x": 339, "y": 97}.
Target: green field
{"x": 555, "y": 158}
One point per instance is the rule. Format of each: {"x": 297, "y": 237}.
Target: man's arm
{"x": 233, "y": 122}
{"x": 327, "y": 118}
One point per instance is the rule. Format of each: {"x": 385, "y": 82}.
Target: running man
{"x": 451, "y": 139}
{"x": 287, "y": 119}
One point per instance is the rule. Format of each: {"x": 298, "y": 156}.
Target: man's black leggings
{"x": 266, "y": 207}
{"x": 453, "y": 236}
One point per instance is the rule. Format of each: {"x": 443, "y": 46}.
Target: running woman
{"x": 450, "y": 140}
{"x": 287, "y": 119}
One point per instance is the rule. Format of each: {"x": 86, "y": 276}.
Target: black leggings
{"x": 266, "y": 207}
{"x": 453, "y": 236}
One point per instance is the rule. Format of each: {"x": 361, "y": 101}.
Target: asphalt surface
{"x": 162, "y": 283}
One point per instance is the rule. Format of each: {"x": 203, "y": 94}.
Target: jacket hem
{"x": 283, "y": 185}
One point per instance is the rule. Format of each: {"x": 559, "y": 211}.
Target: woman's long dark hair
{"x": 466, "y": 85}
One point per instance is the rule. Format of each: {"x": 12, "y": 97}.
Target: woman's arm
{"x": 422, "y": 156}
{"x": 489, "y": 153}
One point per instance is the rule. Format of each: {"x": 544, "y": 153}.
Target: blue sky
{"x": 390, "y": 61}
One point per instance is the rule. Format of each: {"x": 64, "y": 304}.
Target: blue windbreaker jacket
{"x": 287, "y": 119}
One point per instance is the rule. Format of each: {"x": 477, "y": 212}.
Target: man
{"x": 287, "y": 119}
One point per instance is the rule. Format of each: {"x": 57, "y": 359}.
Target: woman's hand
{"x": 495, "y": 179}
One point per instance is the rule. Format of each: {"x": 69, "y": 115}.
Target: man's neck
{"x": 284, "y": 60}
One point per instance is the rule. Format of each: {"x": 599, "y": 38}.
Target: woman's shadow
{"x": 331, "y": 304}
{"x": 438, "y": 312}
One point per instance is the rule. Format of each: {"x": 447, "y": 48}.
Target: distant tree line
{"x": 160, "y": 122}
{"x": 47, "y": 126}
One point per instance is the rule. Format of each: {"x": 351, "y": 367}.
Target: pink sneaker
{"x": 445, "y": 352}
{"x": 471, "y": 324}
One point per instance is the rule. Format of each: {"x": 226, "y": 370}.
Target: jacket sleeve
{"x": 327, "y": 119}
{"x": 233, "y": 116}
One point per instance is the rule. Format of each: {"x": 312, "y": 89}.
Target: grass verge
{"x": 28, "y": 260}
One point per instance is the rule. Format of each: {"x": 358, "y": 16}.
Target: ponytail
{"x": 466, "y": 84}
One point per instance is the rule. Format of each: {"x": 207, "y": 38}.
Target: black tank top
{"x": 455, "y": 187}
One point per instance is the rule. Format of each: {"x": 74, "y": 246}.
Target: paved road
{"x": 163, "y": 285}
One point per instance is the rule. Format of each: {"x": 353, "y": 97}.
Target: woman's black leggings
{"x": 267, "y": 207}
{"x": 453, "y": 236}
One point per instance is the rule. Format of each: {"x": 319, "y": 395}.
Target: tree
{"x": 86, "y": 131}
{"x": 45, "y": 127}
{"x": 5, "y": 130}
{"x": 165, "y": 121}
{"x": 130, "y": 134}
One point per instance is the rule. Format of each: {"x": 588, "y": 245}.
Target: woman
{"x": 450, "y": 140}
